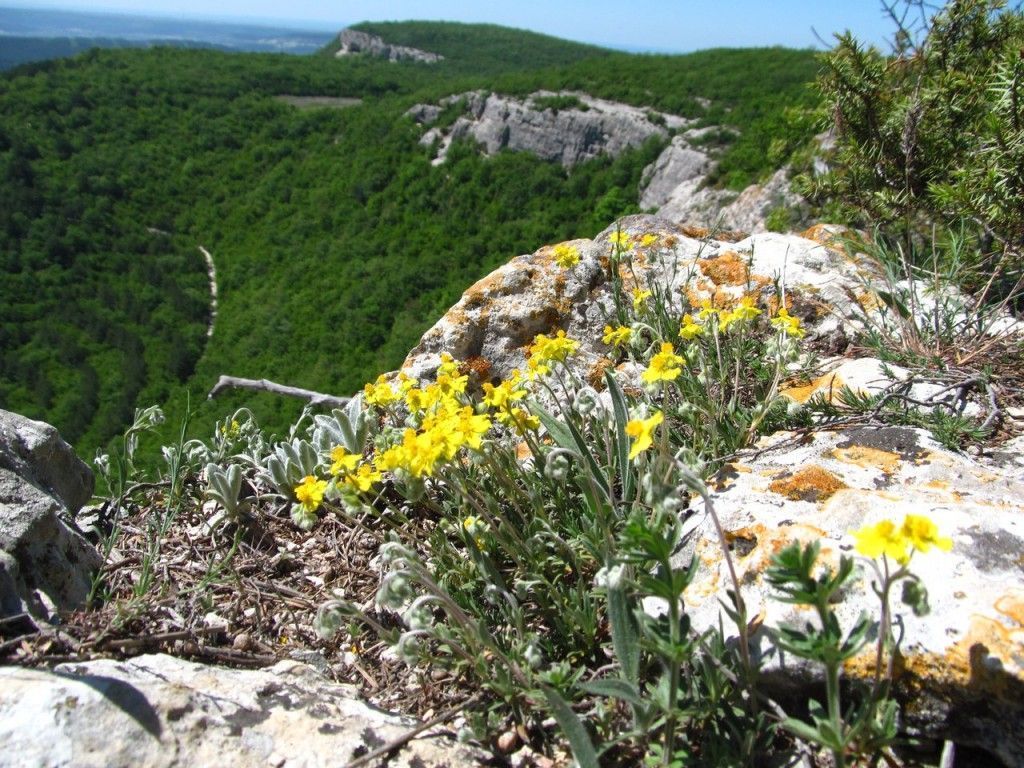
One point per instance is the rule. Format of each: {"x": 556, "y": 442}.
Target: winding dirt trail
{"x": 211, "y": 271}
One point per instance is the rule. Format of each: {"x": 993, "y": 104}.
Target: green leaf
{"x": 571, "y": 725}
{"x": 621, "y": 440}
{"x": 567, "y": 436}
{"x": 615, "y": 689}
{"x": 802, "y": 730}
{"x": 625, "y": 632}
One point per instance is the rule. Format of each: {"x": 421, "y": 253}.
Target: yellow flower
{"x": 706, "y": 311}
{"x": 310, "y": 493}
{"x": 550, "y": 348}
{"x": 639, "y": 297}
{"x": 519, "y": 420}
{"x": 380, "y": 392}
{"x": 746, "y": 310}
{"x": 617, "y": 337}
{"x": 343, "y": 461}
{"x": 743, "y": 311}
{"x": 648, "y": 239}
{"x": 364, "y": 479}
{"x": 922, "y": 534}
{"x": 620, "y": 238}
{"x": 664, "y": 366}
{"x": 501, "y": 396}
{"x": 789, "y": 325}
{"x": 405, "y": 382}
{"x": 690, "y": 329}
{"x": 642, "y": 431}
{"x": 567, "y": 256}
{"x": 448, "y": 367}
{"x": 883, "y": 538}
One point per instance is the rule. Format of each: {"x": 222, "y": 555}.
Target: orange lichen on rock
{"x": 595, "y": 376}
{"x": 830, "y": 385}
{"x": 986, "y": 661}
{"x": 811, "y": 483}
{"x": 868, "y": 457}
{"x": 726, "y": 269}
{"x": 476, "y": 365}
{"x": 824, "y": 234}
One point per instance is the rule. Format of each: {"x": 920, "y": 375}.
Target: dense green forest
{"x": 336, "y": 242}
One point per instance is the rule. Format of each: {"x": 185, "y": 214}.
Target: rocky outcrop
{"x": 497, "y": 318}
{"x": 960, "y": 676}
{"x": 351, "y": 41}
{"x": 46, "y": 565}
{"x": 673, "y": 186}
{"x": 964, "y": 660}
{"x": 170, "y": 713}
{"x": 567, "y": 127}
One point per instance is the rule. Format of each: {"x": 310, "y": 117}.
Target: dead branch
{"x": 264, "y": 385}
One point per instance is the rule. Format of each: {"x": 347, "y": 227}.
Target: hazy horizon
{"x": 648, "y": 25}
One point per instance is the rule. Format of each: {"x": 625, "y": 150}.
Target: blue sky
{"x": 663, "y": 25}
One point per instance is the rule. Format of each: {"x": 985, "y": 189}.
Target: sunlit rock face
{"x": 158, "y": 710}
{"x": 963, "y": 662}
{"x": 498, "y": 317}
{"x": 352, "y": 42}
{"x": 584, "y": 128}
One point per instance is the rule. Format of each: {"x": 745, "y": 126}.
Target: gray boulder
{"x": 46, "y": 565}
{"x": 165, "y": 712}
{"x": 35, "y": 451}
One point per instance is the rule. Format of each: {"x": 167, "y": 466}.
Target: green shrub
{"x": 933, "y": 132}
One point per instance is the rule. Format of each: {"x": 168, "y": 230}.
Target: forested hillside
{"x": 336, "y": 242}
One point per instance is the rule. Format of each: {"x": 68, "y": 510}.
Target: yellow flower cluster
{"x": 382, "y": 394}
{"x": 617, "y": 337}
{"x": 789, "y": 325}
{"x": 620, "y": 239}
{"x": 567, "y": 256}
{"x": 547, "y": 349}
{"x": 666, "y": 365}
{"x": 742, "y": 312}
{"x": 690, "y": 328}
{"x": 640, "y": 297}
{"x": 899, "y": 542}
{"x": 501, "y": 398}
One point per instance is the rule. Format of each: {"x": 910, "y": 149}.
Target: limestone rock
{"x": 962, "y": 671}
{"x": 352, "y": 42}
{"x": 498, "y": 317}
{"x": 46, "y": 565}
{"x": 569, "y": 135}
{"x": 675, "y": 175}
{"x": 165, "y": 712}
{"x": 673, "y": 186}
{"x": 35, "y": 451}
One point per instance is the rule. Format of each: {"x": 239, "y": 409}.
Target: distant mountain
{"x": 34, "y": 35}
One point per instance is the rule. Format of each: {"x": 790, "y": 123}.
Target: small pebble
{"x": 242, "y": 641}
{"x": 508, "y": 741}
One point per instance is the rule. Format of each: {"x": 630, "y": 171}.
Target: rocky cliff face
{"x": 571, "y": 127}
{"x": 567, "y": 127}
{"x": 674, "y": 188}
{"x": 352, "y": 42}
